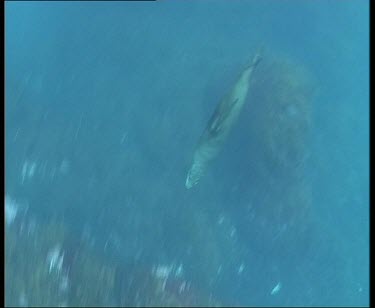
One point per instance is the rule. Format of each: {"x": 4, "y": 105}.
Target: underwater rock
{"x": 63, "y": 270}
{"x": 281, "y": 120}
{"x": 277, "y": 216}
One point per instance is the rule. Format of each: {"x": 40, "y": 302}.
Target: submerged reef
{"x": 46, "y": 264}
{"x": 34, "y": 274}
{"x": 281, "y": 122}
{"x": 277, "y": 214}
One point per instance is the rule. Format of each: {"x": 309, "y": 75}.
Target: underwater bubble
{"x": 11, "y": 210}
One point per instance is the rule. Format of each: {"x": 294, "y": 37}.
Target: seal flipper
{"x": 215, "y": 124}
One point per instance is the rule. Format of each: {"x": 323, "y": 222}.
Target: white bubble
{"x": 11, "y": 210}
{"x": 276, "y": 289}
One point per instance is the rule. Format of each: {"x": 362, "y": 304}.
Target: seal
{"x": 219, "y": 125}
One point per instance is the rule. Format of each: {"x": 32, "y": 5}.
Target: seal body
{"x": 219, "y": 125}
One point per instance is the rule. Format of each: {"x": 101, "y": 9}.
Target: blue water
{"x": 115, "y": 96}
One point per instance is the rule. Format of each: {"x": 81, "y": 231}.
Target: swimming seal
{"x": 219, "y": 125}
